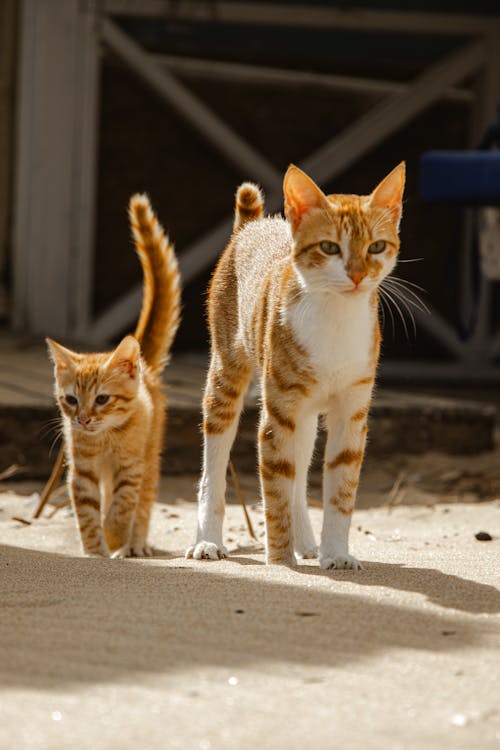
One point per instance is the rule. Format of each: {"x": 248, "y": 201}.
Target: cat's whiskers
{"x": 414, "y": 299}
{"x": 52, "y": 424}
{"x": 384, "y": 299}
{"x": 394, "y": 298}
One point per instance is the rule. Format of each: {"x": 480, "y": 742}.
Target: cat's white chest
{"x": 337, "y": 333}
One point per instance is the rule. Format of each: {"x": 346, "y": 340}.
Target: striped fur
{"x": 298, "y": 301}
{"x": 113, "y": 408}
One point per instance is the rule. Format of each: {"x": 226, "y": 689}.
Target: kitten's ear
{"x": 301, "y": 194}
{"x": 389, "y": 193}
{"x": 125, "y": 357}
{"x": 63, "y": 359}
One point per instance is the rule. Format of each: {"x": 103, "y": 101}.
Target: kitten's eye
{"x": 377, "y": 247}
{"x": 102, "y": 398}
{"x": 71, "y": 400}
{"x": 330, "y": 248}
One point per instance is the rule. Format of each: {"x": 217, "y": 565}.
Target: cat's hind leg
{"x": 226, "y": 386}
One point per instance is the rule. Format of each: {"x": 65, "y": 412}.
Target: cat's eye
{"x": 330, "y": 248}
{"x": 377, "y": 247}
{"x": 102, "y": 398}
{"x": 71, "y": 400}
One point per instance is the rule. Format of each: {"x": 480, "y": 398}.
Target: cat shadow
{"x": 445, "y": 589}
{"x": 96, "y": 620}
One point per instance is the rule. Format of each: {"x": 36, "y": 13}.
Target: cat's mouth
{"x": 86, "y": 427}
{"x": 354, "y": 290}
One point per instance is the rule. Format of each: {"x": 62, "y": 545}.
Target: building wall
{"x": 8, "y": 51}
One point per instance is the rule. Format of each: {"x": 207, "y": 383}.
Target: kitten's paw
{"x": 307, "y": 554}
{"x": 340, "y": 562}
{"x": 121, "y": 553}
{"x": 206, "y": 551}
{"x": 140, "y": 550}
{"x": 97, "y": 553}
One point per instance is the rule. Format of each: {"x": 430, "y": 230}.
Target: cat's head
{"x": 96, "y": 392}
{"x": 344, "y": 244}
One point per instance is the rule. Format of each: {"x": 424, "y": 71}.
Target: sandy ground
{"x": 174, "y": 653}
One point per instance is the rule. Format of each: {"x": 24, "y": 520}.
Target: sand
{"x": 174, "y": 653}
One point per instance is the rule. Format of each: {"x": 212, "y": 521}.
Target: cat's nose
{"x": 83, "y": 418}
{"x": 357, "y": 276}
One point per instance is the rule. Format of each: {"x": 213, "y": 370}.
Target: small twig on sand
{"x": 57, "y": 508}
{"x": 398, "y": 491}
{"x": 49, "y": 487}
{"x": 312, "y": 502}
{"x": 237, "y": 487}
{"x": 21, "y": 520}
{"x": 9, "y": 472}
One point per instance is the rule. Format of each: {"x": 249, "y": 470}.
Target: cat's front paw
{"x": 340, "y": 562}
{"x": 206, "y": 551}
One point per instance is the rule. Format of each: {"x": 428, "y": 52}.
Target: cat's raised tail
{"x": 249, "y": 204}
{"x": 160, "y": 312}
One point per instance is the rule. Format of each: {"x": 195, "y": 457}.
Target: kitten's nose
{"x": 357, "y": 276}
{"x": 83, "y": 418}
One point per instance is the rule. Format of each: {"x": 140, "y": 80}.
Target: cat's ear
{"x": 301, "y": 194}
{"x": 125, "y": 358}
{"x": 63, "y": 359}
{"x": 389, "y": 193}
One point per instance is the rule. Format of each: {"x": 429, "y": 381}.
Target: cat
{"x": 298, "y": 301}
{"x": 113, "y": 408}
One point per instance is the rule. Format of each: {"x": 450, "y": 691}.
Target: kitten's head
{"x": 345, "y": 244}
{"x": 96, "y": 392}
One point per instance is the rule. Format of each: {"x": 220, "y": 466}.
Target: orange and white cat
{"x": 298, "y": 301}
{"x": 113, "y": 407}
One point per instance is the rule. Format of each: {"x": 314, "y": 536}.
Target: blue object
{"x": 467, "y": 177}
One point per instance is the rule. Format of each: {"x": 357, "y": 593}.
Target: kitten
{"x": 113, "y": 408}
{"x": 298, "y": 300}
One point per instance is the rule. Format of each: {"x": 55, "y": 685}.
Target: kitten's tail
{"x": 249, "y": 204}
{"x": 160, "y": 312}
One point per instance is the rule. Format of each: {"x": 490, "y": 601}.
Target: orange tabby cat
{"x": 114, "y": 410}
{"x": 297, "y": 300}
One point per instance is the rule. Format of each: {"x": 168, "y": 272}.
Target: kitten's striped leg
{"x": 83, "y": 486}
{"x": 148, "y": 494}
{"x": 222, "y": 406}
{"x": 149, "y": 490}
{"x": 121, "y": 514}
{"x": 347, "y": 427}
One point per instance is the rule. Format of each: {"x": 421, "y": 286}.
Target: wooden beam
{"x": 242, "y": 73}
{"x": 201, "y": 117}
{"x": 337, "y": 155}
{"x": 439, "y": 372}
{"x": 85, "y": 168}
{"x": 8, "y": 49}
{"x": 392, "y": 113}
{"x": 54, "y": 190}
{"x": 303, "y": 16}
{"x": 122, "y": 314}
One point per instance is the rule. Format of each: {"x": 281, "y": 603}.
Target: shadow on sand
{"x": 67, "y": 619}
